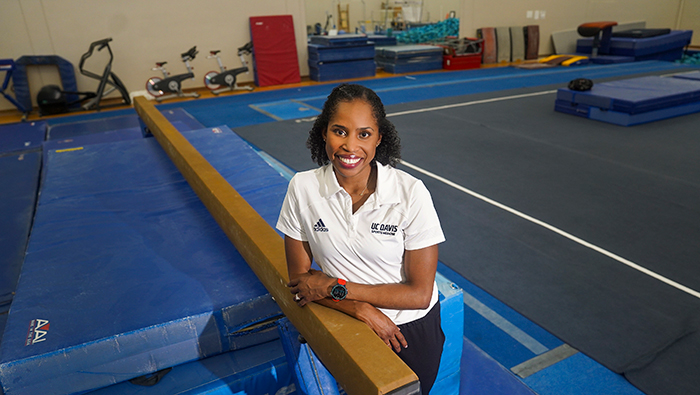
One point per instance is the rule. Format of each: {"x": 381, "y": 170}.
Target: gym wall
{"x": 145, "y": 32}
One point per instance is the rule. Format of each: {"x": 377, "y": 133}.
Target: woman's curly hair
{"x": 389, "y": 150}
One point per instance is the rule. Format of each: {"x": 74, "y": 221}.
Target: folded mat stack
{"x": 634, "y": 101}
{"x": 664, "y": 46}
{"x": 341, "y": 57}
{"x": 409, "y": 58}
{"x": 127, "y": 273}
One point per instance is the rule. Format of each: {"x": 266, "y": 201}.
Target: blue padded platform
{"x": 19, "y": 178}
{"x": 381, "y": 39}
{"x": 633, "y": 101}
{"x": 260, "y": 369}
{"x": 342, "y": 70}
{"x": 635, "y": 95}
{"x": 158, "y": 283}
{"x": 310, "y": 376}
{"x": 324, "y": 53}
{"x": 664, "y": 47}
{"x": 340, "y": 40}
{"x": 452, "y": 317}
{"x": 24, "y": 136}
{"x": 68, "y": 130}
{"x": 409, "y": 58}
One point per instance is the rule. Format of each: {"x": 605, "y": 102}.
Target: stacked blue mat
{"x": 667, "y": 47}
{"x": 409, "y": 58}
{"x": 634, "y": 101}
{"x": 341, "y": 57}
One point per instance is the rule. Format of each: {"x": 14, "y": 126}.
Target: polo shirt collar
{"x": 387, "y": 187}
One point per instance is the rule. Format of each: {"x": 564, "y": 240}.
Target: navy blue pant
{"x": 425, "y": 340}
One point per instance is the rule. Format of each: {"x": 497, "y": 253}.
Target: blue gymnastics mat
{"x": 20, "y": 137}
{"x": 127, "y": 273}
{"x": 633, "y": 101}
{"x": 260, "y": 369}
{"x": 668, "y": 47}
{"x": 19, "y": 177}
{"x": 64, "y": 131}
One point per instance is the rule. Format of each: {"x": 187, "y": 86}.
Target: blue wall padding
{"x": 129, "y": 268}
{"x": 260, "y": 369}
{"x": 24, "y": 136}
{"x": 21, "y": 83}
{"x": 19, "y": 180}
{"x": 90, "y": 126}
{"x": 310, "y": 375}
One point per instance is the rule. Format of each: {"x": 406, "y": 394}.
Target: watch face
{"x": 339, "y": 292}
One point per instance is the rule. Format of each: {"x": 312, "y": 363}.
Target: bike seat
{"x": 189, "y": 55}
{"x": 246, "y": 49}
{"x": 161, "y": 64}
{"x": 591, "y": 29}
{"x": 214, "y": 52}
{"x": 601, "y": 33}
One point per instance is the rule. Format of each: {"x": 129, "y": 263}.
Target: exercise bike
{"x": 214, "y": 80}
{"x": 158, "y": 87}
{"x": 52, "y": 100}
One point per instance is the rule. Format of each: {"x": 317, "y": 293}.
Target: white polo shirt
{"x": 366, "y": 247}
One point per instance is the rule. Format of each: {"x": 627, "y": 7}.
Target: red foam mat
{"x": 274, "y": 50}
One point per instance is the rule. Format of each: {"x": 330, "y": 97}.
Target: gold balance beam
{"x": 351, "y": 351}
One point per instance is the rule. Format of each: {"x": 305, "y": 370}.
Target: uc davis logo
{"x": 38, "y": 329}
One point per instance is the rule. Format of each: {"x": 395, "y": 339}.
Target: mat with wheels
{"x": 127, "y": 273}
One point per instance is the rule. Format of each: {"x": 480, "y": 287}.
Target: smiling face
{"x": 352, "y": 137}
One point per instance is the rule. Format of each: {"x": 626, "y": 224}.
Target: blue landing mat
{"x": 19, "y": 178}
{"x": 158, "y": 283}
{"x": 632, "y": 101}
{"x": 261, "y": 369}
{"x": 20, "y": 137}
{"x": 92, "y": 125}
{"x": 286, "y": 109}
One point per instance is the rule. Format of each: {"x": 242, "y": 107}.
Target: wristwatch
{"x": 339, "y": 291}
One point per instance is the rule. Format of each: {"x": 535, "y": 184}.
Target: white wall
{"x": 149, "y": 31}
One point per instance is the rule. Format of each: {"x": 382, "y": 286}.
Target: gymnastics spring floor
{"x": 574, "y": 241}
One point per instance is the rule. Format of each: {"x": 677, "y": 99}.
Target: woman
{"x": 371, "y": 228}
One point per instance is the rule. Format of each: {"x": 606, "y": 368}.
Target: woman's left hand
{"x": 311, "y": 286}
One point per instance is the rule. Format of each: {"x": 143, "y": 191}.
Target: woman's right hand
{"x": 382, "y": 326}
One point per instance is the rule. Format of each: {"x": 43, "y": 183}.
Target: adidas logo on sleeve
{"x": 320, "y": 226}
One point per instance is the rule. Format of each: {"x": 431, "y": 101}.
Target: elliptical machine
{"x": 158, "y": 87}
{"x": 52, "y": 100}
{"x": 214, "y": 80}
